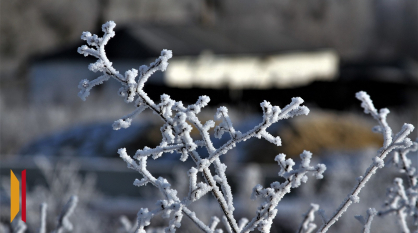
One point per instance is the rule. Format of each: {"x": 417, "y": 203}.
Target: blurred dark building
{"x": 231, "y": 64}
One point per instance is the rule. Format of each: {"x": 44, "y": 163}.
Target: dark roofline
{"x": 139, "y": 41}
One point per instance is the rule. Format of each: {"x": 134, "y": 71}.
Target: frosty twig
{"x": 176, "y": 138}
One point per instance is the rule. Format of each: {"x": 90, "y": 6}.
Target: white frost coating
{"x": 399, "y": 141}
{"x": 157, "y": 151}
{"x": 371, "y": 212}
{"x": 85, "y": 85}
{"x": 144, "y": 218}
{"x": 367, "y": 105}
{"x": 160, "y": 63}
{"x": 267, "y": 210}
{"x": 142, "y": 182}
{"x": 275, "y": 140}
{"x": 130, "y": 87}
{"x": 227, "y": 226}
{"x": 196, "y": 190}
{"x": 401, "y": 203}
{"x": 178, "y": 124}
{"x": 380, "y": 163}
{"x": 225, "y": 125}
{"x": 242, "y": 223}
{"x": 256, "y": 191}
{"x": 405, "y": 131}
{"x": 403, "y": 163}
{"x": 176, "y": 138}
{"x": 214, "y": 222}
{"x": 307, "y": 225}
{"x": 126, "y": 121}
{"x": 355, "y": 199}
{"x": 201, "y": 103}
{"x": 175, "y": 222}
{"x": 117, "y": 125}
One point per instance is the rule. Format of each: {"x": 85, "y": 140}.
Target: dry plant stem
{"x": 390, "y": 143}
{"x": 257, "y": 219}
{"x": 367, "y": 222}
{"x": 411, "y": 179}
{"x": 211, "y": 182}
{"x": 207, "y": 175}
{"x": 219, "y": 197}
{"x": 185, "y": 210}
{"x": 206, "y": 172}
{"x": 308, "y": 219}
{"x": 264, "y": 125}
{"x": 197, "y": 221}
{"x": 184, "y": 144}
{"x": 401, "y": 215}
{"x": 347, "y": 202}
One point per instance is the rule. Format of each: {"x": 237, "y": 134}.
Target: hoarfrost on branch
{"x": 178, "y": 121}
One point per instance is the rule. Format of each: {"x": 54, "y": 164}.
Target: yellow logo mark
{"x": 14, "y": 196}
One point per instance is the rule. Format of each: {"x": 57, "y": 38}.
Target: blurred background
{"x": 237, "y": 52}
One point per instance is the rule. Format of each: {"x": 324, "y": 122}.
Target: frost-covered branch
{"x": 402, "y": 203}
{"x": 273, "y": 195}
{"x": 366, "y": 222}
{"x": 403, "y": 163}
{"x": 308, "y": 225}
{"x": 271, "y": 115}
{"x": 398, "y": 141}
{"x": 171, "y": 203}
{"x": 178, "y": 122}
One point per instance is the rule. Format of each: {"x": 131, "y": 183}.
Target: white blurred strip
{"x": 237, "y": 72}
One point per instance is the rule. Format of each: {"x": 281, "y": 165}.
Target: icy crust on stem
{"x": 391, "y": 142}
{"x": 367, "y": 222}
{"x": 273, "y": 195}
{"x": 178, "y": 122}
{"x": 402, "y": 203}
{"x": 271, "y": 114}
{"x": 130, "y": 87}
{"x": 403, "y": 163}
{"x": 171, "y": 206}
{"x": 308, "y": 225}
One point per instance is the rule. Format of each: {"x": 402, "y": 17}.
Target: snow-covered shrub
{"x": 179, "y": 120}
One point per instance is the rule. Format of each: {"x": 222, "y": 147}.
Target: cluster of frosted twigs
{"x": 179, "y": 120}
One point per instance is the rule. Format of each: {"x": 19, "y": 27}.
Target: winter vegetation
{"x": 176, "y": 138}
{"x": 187, "y": 200}
{"x": 178, "y": 122}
